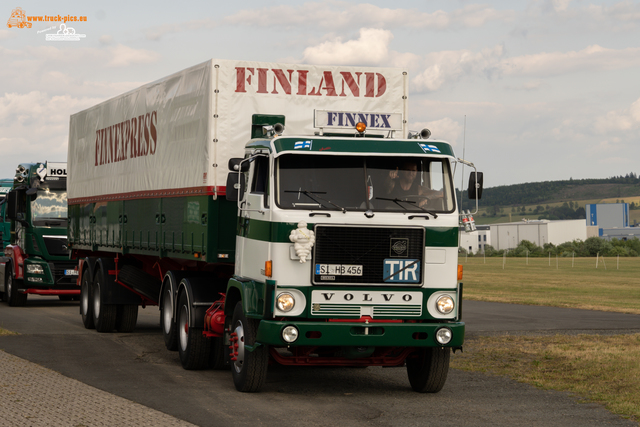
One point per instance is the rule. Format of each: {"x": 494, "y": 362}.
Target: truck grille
{"x": 375, "y": 311}
{"x": 58, "y": 269}
{"x": 56, "y": 246}
{"x": 368, "y": 255}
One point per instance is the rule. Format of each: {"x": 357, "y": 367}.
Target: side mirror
{"x": 12, "y": 205}
{"x": 32, "y": 193}
{"x": 235, "y": 186}
{"x": 236, "y": 163}
{"x": 475, "y": 182}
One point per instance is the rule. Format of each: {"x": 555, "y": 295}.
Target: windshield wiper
{"x": 313, "y": 195}
{"x": 411, "y": 202}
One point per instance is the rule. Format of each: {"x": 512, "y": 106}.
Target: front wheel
{"x": 13, "y": 296}
{"x": 248, "y": 368}
{"x": 427, "y": 369}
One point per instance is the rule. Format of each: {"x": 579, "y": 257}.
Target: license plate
{"x": 71, "y": 272}
{"x": 338, "y": 269}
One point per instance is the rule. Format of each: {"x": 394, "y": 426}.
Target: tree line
{"x": 587, "y": 248}
{"x": 533, "y": 193}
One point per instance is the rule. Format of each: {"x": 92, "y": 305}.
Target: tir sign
{"x": 401, "y": 271}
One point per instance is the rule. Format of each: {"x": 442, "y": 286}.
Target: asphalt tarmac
{"x": 135, "y": 377}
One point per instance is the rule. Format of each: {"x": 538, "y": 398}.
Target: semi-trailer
{"x": 275, "y": 213}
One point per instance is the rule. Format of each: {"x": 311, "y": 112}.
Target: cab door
{"x": 254, "y": 222}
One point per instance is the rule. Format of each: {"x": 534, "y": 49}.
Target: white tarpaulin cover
{"x": 178, "y": 133}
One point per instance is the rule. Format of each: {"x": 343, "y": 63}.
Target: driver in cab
{"x": 402, "y": 184}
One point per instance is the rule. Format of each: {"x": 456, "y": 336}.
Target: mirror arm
{"x": 475, "y": 171}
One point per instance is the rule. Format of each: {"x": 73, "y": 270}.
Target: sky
{"x": 528, "y": 91}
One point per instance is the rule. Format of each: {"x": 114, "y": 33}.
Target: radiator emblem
{"x": 399, "y": 247}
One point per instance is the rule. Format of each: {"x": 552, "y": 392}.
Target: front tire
{"x": 104, "y": 315}
{"x": 248, "y": 368}
{"x": 13, "y": 297}
{"x": 86, "y": 301}
{"x": 427, "y": 369}
{"x": 193, "y": 347}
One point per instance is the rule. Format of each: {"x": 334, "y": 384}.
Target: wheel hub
{"x": 237, "y": 347}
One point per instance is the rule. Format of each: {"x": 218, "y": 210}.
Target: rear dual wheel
{"x": 86, "y": 301}
{"x": 193, "y": 347}
{"x": 104, "y": 315}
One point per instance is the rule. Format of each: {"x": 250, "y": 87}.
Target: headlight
{"x": 444, "y": 304}
{"x": 34, "y": 269}
{"x": 443, "y": 335}
{"x": 285, "y": 302}
{"x": 290, "y": 334}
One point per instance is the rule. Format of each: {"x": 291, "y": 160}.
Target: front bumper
{"x": 359, "y": 334}
{"x": 56, "y": 275}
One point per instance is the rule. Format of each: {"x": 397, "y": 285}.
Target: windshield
{"x": 358, "y": 183}
{"x": 49, "y": 204}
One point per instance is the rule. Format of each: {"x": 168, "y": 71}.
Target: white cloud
{"x": 371, "y": 48}
{"x": 556, "y": 63}
{"x": 626, "y": 119}
{"x": 340, "y": 15}
{"x": 449, "y": 66}
{"x": 157, "y": 32}
{"x": 123, "y": 56}
{"x": 36, "y": 124}
{"x": 7, "y": 34}
{"x": 446, "y": 129}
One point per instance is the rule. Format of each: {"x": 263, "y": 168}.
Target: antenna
{"x": 464, "y": 144}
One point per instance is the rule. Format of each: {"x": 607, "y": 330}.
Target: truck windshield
{"x": 49, "y": 204}
{"x": 358, "y": 183}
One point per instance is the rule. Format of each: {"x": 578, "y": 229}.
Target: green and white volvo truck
{"x": 36, "y": 260}
{"x": 275, "y": 213}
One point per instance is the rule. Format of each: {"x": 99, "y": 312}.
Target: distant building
{"x": 608, "y": 215}
{"x": 625, "y": 233}
{"x": 611, "y": 220}
{"x": 475, "y": 241}
{"x": 509, "y": 235}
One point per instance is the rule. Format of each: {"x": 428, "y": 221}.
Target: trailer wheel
{"x": 193, "y": 347}
{"x": 126, "y": 317}
{"x": 86, "y": 302}
{"x": 428, "y": 369}
{"x": 166, "y": 320}
{"x": 248, "y": 368}
{"x": 13, "y": 297}
{"x": 104, "y": 315}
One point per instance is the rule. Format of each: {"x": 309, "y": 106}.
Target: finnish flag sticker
{"x": 302, "y": 144}
{"x": 429, "y": 148}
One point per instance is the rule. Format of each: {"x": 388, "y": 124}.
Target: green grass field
{"x": 597, "y": 368}
{"x": 559, "y": 282}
